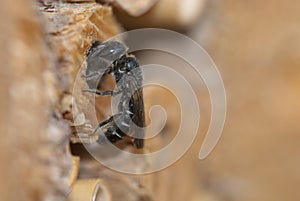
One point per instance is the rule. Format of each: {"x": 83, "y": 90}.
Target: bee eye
{"x": 131, "y": 64}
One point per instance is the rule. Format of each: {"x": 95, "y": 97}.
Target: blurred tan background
{"x": 256, "y": 46}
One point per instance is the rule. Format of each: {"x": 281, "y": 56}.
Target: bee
{"x": 111, "y": 58}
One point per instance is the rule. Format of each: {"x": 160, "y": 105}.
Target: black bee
{"x": 111, "y": 58}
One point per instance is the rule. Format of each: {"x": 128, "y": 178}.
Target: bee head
{"x": 131, "y": 64}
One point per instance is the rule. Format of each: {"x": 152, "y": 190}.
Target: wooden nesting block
{"x": 34, "y": 165}
{"x": 71, "y": 28}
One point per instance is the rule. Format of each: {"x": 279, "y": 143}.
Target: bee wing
{"x": 137, "y": 108}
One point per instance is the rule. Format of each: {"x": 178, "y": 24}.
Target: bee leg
{"x": 107, "y": 121}
{"x": 102, "y": 93}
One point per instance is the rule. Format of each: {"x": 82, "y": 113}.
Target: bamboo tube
{"x": 90, "y": 190}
